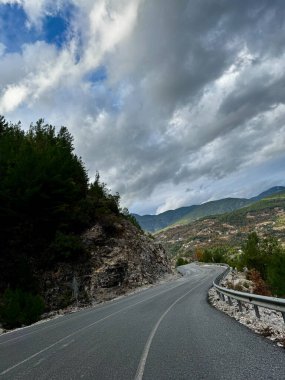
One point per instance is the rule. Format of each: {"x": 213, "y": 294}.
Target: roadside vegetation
{"x": 181, "y": 261}
{"x": 264, "y": 257}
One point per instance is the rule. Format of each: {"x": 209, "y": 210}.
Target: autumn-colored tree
{"x": 198, "y": 254}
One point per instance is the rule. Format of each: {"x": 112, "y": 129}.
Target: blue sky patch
{"x": 55, "y": 30}
{"x": 98, "y": 75}
{"x": 14, "y": 31}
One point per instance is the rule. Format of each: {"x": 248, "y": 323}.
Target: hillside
{"x": 118, "y": 262}
{"x": 266, "y": 216}
{"x": 64, "y": 238}
{"x": 185, "y": 215}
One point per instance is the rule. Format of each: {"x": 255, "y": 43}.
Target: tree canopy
{"x": 46, "y": 201}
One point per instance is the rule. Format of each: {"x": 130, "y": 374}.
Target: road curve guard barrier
{"x": 277, "y": 304}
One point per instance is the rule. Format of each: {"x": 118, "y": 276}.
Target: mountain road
{"x": 168, "y": 331}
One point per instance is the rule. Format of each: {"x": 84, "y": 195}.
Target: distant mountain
{"x": 213, "y": 208}
{"x": 184, "y": 215}
{"x": 265, "y": 216}
{"x": 267, "y": 193}
{"x": 153, "y": 223}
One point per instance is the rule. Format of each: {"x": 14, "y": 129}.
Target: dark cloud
{"x": 192, "y": 96}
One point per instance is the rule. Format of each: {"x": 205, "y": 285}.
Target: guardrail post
{"x": 221, "y": 296}
{"x": 230, "y": 301}
{"x": 239, "y": 305}
{"x": 283, "y": 315}
{"x": 256, "y": 311}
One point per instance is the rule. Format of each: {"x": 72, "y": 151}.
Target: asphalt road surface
{"x": 165, "y": 332}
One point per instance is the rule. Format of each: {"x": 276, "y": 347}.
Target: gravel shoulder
{"x": 270, "y": 324}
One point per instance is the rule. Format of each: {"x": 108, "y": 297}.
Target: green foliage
{"x": 20, "y": 308}
{"x": 42, "y": 181}
{"x": 181, "y": 261}
{"x": 214, "y": 255}
{"x": 264, "y": 256}
{"x": 276, "y": 274}
{"x": 252, "y": 256}
{"x": 268, "y": 258}
{"x": 98, "y": 205}
{"x": 132, "y": 219}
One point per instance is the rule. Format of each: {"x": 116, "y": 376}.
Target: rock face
{"x": 117, "y": 263}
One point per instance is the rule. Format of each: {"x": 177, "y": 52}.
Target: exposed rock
{"x": 117, "y": 264}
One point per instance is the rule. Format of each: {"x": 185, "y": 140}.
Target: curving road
{"x": 165, "y": 332}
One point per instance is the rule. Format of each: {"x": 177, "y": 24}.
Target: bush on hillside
{"x": 20, "y": 308}
{"x": 133, "y": 220}
{"x": 213, "y": 255}
{"x": 181, "y": 261}
{"x": 259, "y": 285}
{"x": 276, "y": 274}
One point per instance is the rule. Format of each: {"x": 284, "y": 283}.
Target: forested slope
{"x": 47, "y": 206}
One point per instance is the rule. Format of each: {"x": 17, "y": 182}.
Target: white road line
{"x": 82, "y": 329}
{"x": 33, "y": 332}
{"x": 67, "y": 344}
{"x": 39, "y": 362}
{"x": 141, "y": 367}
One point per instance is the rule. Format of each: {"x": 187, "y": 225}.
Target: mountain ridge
{"x": 186, "y": 214}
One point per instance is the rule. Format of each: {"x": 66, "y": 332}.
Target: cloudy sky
{"x": 174, "y": 102}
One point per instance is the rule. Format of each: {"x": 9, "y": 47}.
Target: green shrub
{"x": 276, "y": 274}
{"x": 267, "y": 256}
{"x": 181, "y": 261}
{"x": 20, "y": 308}
{"x": 132, "y": 219}
{"x": 214, "y": 255}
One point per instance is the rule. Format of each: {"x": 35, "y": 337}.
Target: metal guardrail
{"x": 277, "y": 304}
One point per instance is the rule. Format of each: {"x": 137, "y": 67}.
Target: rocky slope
{"x": 266, "y": 217}
{"x": 117, "y": 263}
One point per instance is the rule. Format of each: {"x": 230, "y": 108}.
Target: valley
{"x": 265, "y": 217}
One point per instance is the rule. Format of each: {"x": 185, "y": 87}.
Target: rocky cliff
{"x": 117, "y": 263}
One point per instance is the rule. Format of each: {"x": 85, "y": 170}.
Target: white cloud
{"x": 13, "y": 97}
{"x": 189, "y": 100}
